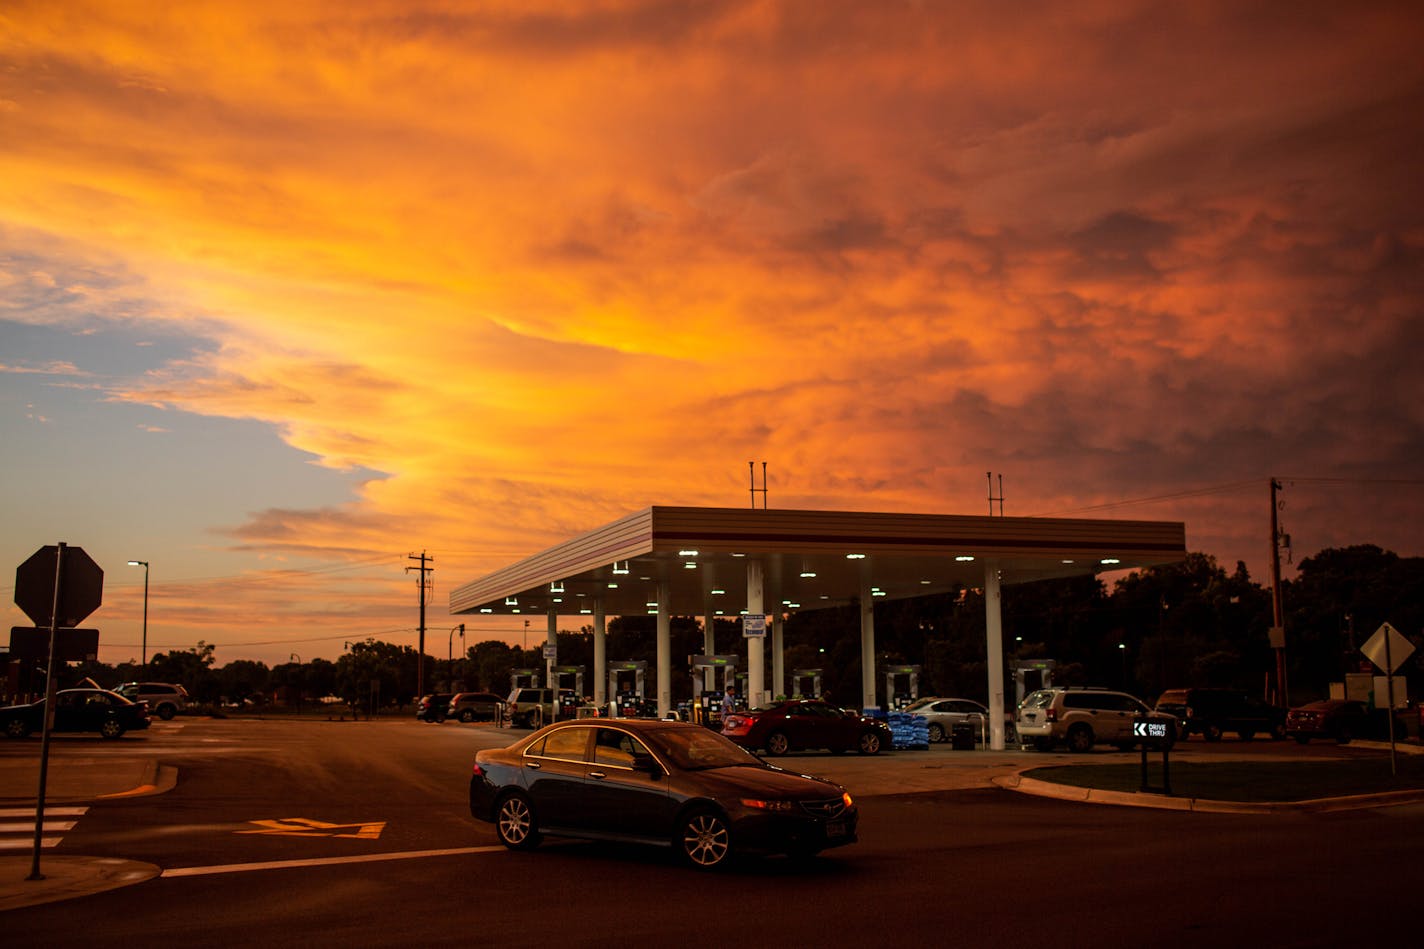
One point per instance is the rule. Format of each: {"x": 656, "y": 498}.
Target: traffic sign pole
{"x": 48, "y": 724}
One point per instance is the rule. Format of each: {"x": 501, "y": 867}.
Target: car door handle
{"x": 597, "y": 775}
{"x": 534, "y": 766}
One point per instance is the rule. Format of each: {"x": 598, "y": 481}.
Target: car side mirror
{"x": 647, "y": 764}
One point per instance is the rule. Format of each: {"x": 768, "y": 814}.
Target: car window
{"x": 1039, "y": 699}
{"x": 96, "y": 698}
{"x": 694, "y": 748}
{"x": 612, "y": 746}
{"x": 566, "y": 744}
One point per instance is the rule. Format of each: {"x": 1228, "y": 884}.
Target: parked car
{"x": 647, "y": 781}
{"x": 1341, "y": 720}
{"x": 78, "y": 710}
{"x": 806, "y": 723}
{"x": 165, "y": 699}
{"x": 1210, "y": 712}
{"x": 432, "y": 707}
{"x": 1083, "y": 717}
{"x": 943, "y": 714}
{"x": 533, "y": 708}
{"x": 475, "y": 707}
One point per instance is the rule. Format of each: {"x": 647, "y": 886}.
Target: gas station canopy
{"x": 811, "y": 559}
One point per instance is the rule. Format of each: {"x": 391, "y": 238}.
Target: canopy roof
{"x": 811, "y": 559}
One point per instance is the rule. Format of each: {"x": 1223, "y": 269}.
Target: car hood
{"x": 764, "y": 780}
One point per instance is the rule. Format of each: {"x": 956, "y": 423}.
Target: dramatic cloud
{"x": 520, "y": 268}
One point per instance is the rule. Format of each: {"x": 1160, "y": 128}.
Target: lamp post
{"x": 144, "y": 564}
{"x": 450, "y": 652}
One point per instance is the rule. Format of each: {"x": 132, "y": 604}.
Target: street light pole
{"x": 450, "y": 652}
{"x": 144, "y": 564}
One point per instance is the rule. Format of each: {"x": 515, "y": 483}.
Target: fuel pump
{"x": 707, "y": 710}
{"x": 900, "y": 699}
{"x": 625, "y": 686}
{"x": 814, "y": 675}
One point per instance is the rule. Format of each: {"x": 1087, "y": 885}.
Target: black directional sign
{"x": 70, "y": 645}
{"x": 81, "y": 586}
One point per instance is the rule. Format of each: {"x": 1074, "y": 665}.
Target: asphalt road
{"x": 357, "y": 834}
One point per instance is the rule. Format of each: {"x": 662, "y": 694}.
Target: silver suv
{"x": 1084, "y": 717}
{"x": 164, "y": 699}
{"x": 532, "y": 708}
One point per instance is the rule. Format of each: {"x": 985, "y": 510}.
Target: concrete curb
{"x": 1068, "y": 792}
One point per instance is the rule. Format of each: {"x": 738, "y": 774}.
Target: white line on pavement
{"x": 324, "y": 861}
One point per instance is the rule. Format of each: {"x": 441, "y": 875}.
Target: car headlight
{"x": 762, "y": 805}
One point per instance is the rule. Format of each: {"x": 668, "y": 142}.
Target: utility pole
{"x": 420, "y": 653}
{"x": 1278, "y": 621}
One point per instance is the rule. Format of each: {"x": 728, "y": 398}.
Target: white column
{"x": 664, "y": 650}
{"x": 756, "y": 652}
{"x": 600, "y": 654}
{"x": 709, "y": 648}
{"x": 867, "y": 639}
{"x": 552, "y": 638}
{"x": 994, "y": 633}
{"x": 778, "y": 656}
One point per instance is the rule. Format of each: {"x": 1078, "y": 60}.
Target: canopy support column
{"x": 664, "y": 648}
{"x": 994, "y": 633}
{"x": 867, "y": 639}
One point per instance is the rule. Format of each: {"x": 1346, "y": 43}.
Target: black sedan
{"x": 78, "y": 710}
{"x": 668, "y": 784}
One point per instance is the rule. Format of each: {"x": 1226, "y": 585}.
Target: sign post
{"x": 57, "y": 597}
{"x": 1388, "y": 649}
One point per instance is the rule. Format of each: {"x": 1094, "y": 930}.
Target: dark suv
{"x": 1210, "y": 712}
{"x": 432, "y": 707}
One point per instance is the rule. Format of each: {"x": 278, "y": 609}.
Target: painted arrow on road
{"x": 306, "y": 827}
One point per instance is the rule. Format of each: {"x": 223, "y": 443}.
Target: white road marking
{"x": 325, "y": 861}
{"x": 28, "y": 844}
{"x": 48, "y": 825}
{"x": 17, "y": 825}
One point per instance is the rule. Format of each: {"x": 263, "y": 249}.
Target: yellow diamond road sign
{"x": 306, "y": 827}
{"x": 1387, "y": 648}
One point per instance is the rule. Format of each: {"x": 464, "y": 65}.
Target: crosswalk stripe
{"x": 48, "y": 825}
{"x": 13, "y": 812}
{"x": 17, "y": 844}
{"x": 17, "y": 824}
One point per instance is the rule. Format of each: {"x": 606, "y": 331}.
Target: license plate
{"x": 836, "y": 828}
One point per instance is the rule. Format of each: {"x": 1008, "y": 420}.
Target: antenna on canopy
{"x": 751, "y": 475}
{"x": 992, "y": 499}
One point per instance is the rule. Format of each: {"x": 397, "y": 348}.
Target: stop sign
{"x": 81, "y": 586}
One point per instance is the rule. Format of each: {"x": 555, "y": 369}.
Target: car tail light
{"x": 1190, "y": 713}
{"x": 1050, "y": 715}
{"x": 475, "y": 771}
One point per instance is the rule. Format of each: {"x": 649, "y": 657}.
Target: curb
{"x": 1068, "y": 792}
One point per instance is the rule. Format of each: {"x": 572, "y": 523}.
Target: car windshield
{"x": 697, "y": 749}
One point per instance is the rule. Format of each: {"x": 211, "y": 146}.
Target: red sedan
{"x": 794, "y": 725}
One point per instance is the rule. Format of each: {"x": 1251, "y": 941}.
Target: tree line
{"x": 1185, "y": 624}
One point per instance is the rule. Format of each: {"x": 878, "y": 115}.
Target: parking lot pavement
{"x": 77, "y": 779}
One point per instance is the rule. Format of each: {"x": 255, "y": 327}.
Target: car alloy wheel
{"x": 1080, "y": 738}
{"x": 166, "y": 712}
{"x": 1211, "y": 732}
{"x": 16, "y": 728}
{"x": 112, "y": 728}
{"x": 468, "y": 715}
{"x": 777, "y": 744}
{"x": 869, "y": 743}
{"x": 936, "y": 732}
{"x": 704, "y": 839}
{"x": 514, "y": 823}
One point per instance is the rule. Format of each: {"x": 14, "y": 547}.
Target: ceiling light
{"x": 1111, "y": 560}
{"x": 808, "y": 574}
{"x": 855, "y": 556}
{"x": 687, "y": 553}
{"x": 691, "y": 565}
{"x": 620, "y": 570}
{"x": 612, "y": 586}
{"x": 964, "y": 558}
{"x": 718, "y": 592}
{"x": 486, "y": 609}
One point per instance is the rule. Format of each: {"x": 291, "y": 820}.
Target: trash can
{"x": 961, "y": 737}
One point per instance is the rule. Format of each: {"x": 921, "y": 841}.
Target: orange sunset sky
{"x": 291, "y": 290}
